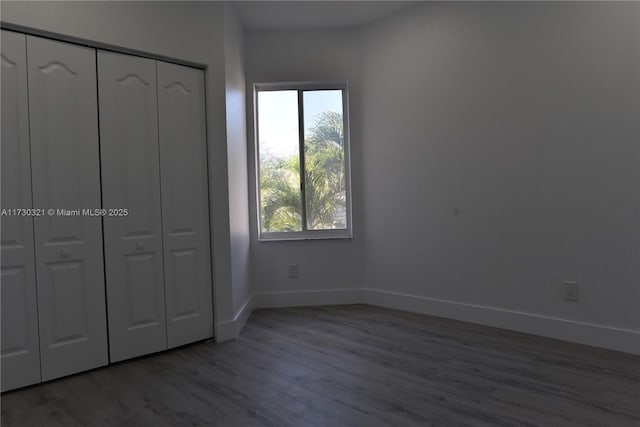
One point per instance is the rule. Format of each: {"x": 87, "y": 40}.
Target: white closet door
{"x": 20, "y": 348}
{"x": 185, "y": 209}
{"x": 66, "y": 175}
{"x": 131, "y": 179}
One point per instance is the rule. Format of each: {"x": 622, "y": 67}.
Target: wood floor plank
{"x": 352, "y": 365}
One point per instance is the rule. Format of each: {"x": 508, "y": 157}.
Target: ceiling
{"x": 290, "y": 15}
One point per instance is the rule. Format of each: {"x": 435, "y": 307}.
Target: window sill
{"x": 281, "y": 237}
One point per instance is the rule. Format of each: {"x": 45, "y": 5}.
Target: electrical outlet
{"x": 294, "y": 272}
{"x": 570, "y": 291}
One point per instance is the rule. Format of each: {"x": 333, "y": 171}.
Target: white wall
{"x": 280, "y": 56}
{"x": 186, "y": 31}
{"x": 237, "y": 158}
{"x": 501, "y": 157}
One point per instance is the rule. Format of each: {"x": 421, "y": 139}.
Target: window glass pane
{"x": 279, "y": 152}
{"x": 326, "y": 199}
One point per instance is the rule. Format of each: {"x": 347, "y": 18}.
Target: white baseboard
{"x": 225, "y": 331}
{"x": 243, "y": 314}
{"x": 307, "y": 298}
{"x": 230, "y": 329}
{"x": 625, "y": 340}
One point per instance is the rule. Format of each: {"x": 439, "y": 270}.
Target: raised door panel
{"x": 185, "y": 206}
{"x": 66, "y": 178}
{"x": 131, "y": 180}
{"x": 20, "y": 353}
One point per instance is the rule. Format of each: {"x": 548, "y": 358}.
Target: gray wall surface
{"x": 501, "y": 156}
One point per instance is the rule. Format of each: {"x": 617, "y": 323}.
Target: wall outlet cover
{"x": 293, "y": 270}
{"x": 570, "y": 291}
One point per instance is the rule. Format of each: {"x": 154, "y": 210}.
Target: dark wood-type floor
{"x": 353, "y": 365}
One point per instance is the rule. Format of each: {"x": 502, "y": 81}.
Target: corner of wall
{"x": 235, "y": 132}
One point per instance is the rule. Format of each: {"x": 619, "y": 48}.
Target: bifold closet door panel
{"x": 63, "y": 112}
{"x": 131, "y": 180}
{"x": 20, "y": 354}
{"x": 185, "y": 208}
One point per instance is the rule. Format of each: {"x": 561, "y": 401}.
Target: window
{"x": 302, "y": 157}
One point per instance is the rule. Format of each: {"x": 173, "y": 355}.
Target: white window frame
{"x": 305, "y": 234}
